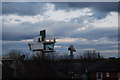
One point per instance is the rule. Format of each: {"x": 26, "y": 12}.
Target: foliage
{"x": 91, "y": 54}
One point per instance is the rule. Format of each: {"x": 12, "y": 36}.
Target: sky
{"x": 86, "y": 25}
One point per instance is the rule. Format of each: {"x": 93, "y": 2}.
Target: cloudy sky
{"x": 86, "y": 25}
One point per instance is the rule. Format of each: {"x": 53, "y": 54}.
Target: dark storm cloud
{"x": 92, "y": 34}
{"x": 14, "y": 36}
{"x": 32, "y": 8}
{"x": 97, "y": 33}
{"x": 102, "y": 6}
{"x": 20, "y": 32}
{"x": 101, "y": 9}
{"x": 22, "y": 8}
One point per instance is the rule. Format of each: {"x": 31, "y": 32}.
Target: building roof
{"x": 111, "y": 65}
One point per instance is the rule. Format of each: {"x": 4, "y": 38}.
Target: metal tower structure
{"x": 71, "y": 49}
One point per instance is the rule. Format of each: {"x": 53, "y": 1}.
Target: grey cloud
{"x": 22, "y": 8}
{"x": 100, "y": 8}
{"x": 34, "y": 8}
{"x": 57, "y": 29}
{"x": 97, "y": 33}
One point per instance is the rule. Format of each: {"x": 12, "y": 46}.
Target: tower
{"x": 41, "y": 44}
{"x": 71, "y": 49}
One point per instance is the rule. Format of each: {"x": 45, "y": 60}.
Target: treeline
{"x": 22, "y": 65}
{"x": 91, "y": 54}
{"x": 17, "y": 54}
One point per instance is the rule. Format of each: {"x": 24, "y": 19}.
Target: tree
{"x": 14, "y": 54}
{"x": 91, "y": 54}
